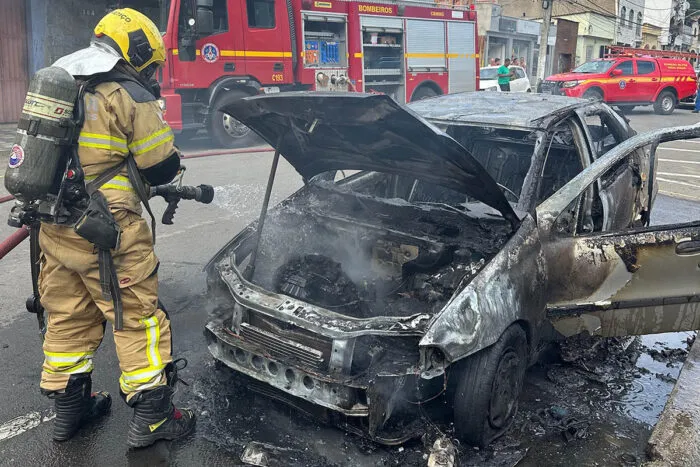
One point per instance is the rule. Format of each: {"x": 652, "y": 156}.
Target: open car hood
{"x": 317, "y": 132}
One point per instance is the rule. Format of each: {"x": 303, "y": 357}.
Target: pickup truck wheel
{"x": 665, "y": 103}
{"x": 488, "y": 388}
{"x": 593, "y": 94}
{"x": 229, "y": 132}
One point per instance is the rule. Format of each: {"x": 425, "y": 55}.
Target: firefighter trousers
{"x": 69, "y": 285}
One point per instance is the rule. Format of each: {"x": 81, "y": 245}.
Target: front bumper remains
{"x": 320, "y": 382}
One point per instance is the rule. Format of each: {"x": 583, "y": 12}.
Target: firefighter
{"x": 122, "y": 118}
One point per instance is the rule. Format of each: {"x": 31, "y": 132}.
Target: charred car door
{"x": 614, "y": 282}
{"x": 605, "y": 130}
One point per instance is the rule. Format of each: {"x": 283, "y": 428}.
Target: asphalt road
{"x": 229, "y": 416}
{"x": 679, "y": 161}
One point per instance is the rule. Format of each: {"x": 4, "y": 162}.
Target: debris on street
{"x": 442, "y": 454}
{"x": 264, "y": 455}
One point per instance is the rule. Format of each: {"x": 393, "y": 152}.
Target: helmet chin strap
{"x": 149, "y": 72}
{"x": 149, "y": 83}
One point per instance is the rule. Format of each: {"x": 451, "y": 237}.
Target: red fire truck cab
{"x": 222, "y": 50}
{"x": 628, "y": 81}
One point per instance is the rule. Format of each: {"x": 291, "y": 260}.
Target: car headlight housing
{"x": 570, "y": 84}
{"x": 491, "y": 88}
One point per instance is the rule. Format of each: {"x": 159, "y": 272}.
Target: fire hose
{"x": 12, "y": 241}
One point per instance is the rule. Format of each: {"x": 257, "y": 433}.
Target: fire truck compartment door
{"x": 461, "y": 55}
{"x": 425, "y": 44}
{"x": 382, "y": 23}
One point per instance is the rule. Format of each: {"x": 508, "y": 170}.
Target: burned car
{"x": 435, "y": 248}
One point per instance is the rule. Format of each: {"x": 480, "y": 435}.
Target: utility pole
{"x": 544, "y": 38}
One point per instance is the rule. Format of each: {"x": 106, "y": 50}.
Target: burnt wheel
{"x": 229, "y": 132}
{"x": 488, "y": 386}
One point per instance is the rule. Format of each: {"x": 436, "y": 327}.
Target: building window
{"x": 639, "y": 24}
{"x": 631, "y": 21}
{"x": 261, "y": 13}
{"x": 623, "y": 16}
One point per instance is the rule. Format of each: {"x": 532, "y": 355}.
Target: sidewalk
{"x": 675, "y": 440}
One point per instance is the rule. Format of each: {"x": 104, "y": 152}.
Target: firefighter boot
{"x": 77, "y": 406}
{"x": 155, "y": 418}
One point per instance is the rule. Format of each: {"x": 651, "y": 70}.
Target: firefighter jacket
{"x": 120, "y": 119}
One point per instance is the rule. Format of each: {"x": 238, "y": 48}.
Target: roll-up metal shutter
{"x": 382, "y": 22}
{"x": 425, "y": 44}
{"x": 13, "y": 59}
{"x": 462, "y": 57}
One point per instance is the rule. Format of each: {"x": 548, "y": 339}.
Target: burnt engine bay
{"x": 364, "y": 256}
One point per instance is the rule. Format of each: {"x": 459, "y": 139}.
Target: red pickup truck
{"x": 628, "y": 82}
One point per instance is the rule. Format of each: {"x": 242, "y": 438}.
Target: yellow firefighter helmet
{"x": 134, "y": 37}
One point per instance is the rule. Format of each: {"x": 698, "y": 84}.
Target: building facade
{"x": 630, "y": 18}
{"x": 37, "y": 32}
{"x": 595, "y": 32}
{"x": 564, "y": 59}
{"x": 651, "y": 36}
{"x": 507, "y": 37}
{"x": 657, "y": 14}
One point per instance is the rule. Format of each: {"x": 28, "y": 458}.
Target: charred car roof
{"x": 318, "y": 132}
{"x": 498, "y": 109}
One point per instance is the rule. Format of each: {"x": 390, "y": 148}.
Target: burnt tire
{"x": 665, "y": 103}
{"x": 423, "y": 92}
{"x": 593, "y": 94}
{"x": 488, "y": 386}
{"x": 226, "y": 130}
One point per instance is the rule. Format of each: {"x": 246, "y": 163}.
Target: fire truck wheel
{"x": 593, "y": 94}
{"x": 229, "y": 132}
{"x": 488, "y": 386}
{"x": 423, "y": 92}
{"x": 665, "y": 103}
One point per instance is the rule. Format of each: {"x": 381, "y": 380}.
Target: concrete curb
{"x": 675, "y": 440}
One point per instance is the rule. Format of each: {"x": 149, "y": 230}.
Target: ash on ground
{"x": 593, "y": 402}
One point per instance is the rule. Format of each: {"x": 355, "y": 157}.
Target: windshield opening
{"x": 596, "y": 66}
{"x": 505, "y": 154}
{"x": 401, "y": 190}
{"x": 156, "y": 10}
{"x": 488, "y": 73}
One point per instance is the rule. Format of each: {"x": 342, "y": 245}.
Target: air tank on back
{"x": 36, "y": 160}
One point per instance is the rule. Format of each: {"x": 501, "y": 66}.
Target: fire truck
{"x": 219, "y": 51}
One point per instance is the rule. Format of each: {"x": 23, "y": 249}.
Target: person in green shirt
{"x": 504, "y": 74}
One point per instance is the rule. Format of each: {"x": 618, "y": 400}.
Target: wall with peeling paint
{"x": 59, "y": 28}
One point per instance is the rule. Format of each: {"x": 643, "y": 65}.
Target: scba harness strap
{"x": 97, "y": 224}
